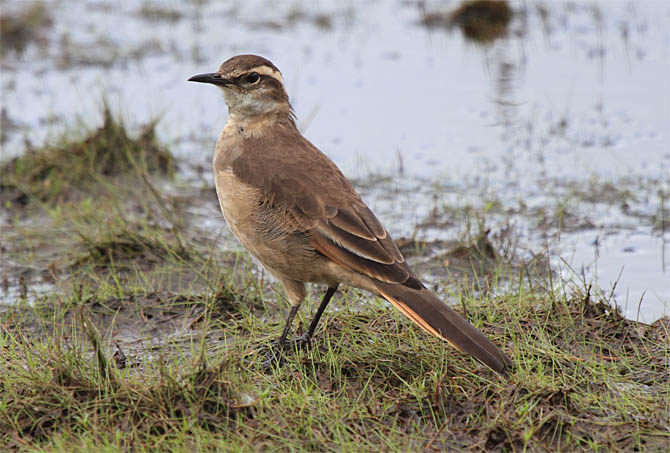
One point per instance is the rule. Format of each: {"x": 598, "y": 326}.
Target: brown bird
{"x": 294, "y": 210}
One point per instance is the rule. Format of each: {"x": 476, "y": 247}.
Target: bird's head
{"x": 252, "y": 86}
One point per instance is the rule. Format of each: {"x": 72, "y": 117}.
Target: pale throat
{"x": 249, "y": 116}
{"x": 250, "y": 125}
{"x": 246, "y": 104}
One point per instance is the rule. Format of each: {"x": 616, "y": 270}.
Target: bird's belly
{"x": 284, "y": 253}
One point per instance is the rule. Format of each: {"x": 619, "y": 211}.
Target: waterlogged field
{"x": 559, "y": 128}
{"x": 518, "y": 154}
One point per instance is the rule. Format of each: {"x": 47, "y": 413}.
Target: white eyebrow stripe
{"x": 262, "y": 70}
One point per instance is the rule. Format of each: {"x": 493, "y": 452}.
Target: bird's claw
{"x": 273, "y": 357}
{"x": 275, "y": 354}
{"x": 303, "y": 342}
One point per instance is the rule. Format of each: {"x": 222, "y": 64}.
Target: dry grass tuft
{"x": 57, "y": 173}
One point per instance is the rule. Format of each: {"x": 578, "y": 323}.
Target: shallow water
{"x": 577, "y": 95}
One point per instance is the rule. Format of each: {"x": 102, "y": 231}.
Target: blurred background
{"x": 542, "y": 126}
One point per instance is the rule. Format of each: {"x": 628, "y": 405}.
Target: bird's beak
{"x": 213, "y": 78}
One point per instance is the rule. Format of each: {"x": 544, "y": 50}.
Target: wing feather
{"x": 389, "y": 273}
{"x": 352, "y": 223}
{"x": 370, "y": 249}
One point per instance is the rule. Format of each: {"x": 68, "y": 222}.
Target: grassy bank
{"x": 130, "y": 329}
{"x": 78, "y": 375}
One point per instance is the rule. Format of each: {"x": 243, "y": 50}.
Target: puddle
{"x": 636, "y": 257}
{"x": 575, "y": 91}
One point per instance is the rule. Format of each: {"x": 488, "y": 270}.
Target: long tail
{"x": 435, "y": 317}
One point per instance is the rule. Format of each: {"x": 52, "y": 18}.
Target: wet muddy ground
{"x": 552, "y": 129}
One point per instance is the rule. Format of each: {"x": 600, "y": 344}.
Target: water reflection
{"x": 480, "y": 21}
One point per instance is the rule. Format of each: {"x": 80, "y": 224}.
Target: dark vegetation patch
{"x": 106, "y": 53}
{"x": 562, "y": 216}
{"x": 661, "y": 218}
{"x": 297, "y": 15}
{"x": 480, "y": 21}
{"x": 127, "y": 246}
{"x": 59, "y": 173}
{"x": 481, "y": 250}
{"x": 21, "y": 28}
{"x": 157, "y": 12}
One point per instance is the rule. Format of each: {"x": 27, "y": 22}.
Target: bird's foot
{"x": 275, "y": 353}
{"x": 303, "y": 342}
{"x": 273, "y": 356}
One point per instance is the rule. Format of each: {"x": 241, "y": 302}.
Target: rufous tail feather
{"x": 437, "y": 318}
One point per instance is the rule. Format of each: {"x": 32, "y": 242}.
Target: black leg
{"x": 322, "y": 308}
{"x": 276, "y": 353}
{"x": 287, "y": 327}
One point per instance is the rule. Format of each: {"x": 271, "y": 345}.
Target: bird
{"x": 294, "y": 210}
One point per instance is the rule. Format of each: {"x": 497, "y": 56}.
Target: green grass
{"x": 584, "y": 377}
{"x": 149, "y": 337}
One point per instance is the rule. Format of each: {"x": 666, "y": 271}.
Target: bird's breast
{"x": 259, "y": 229}
{"x": 238, "y": 202}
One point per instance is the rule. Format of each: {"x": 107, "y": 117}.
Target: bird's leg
{"x": 276, "y": 349}
{"x": 275, "y": 355}
{"x": 306, "y": 338}
{"x": 287, "y": 328}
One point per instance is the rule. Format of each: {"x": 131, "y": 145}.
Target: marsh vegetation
{"x": 130, "y": 319}
{"x": 147, "y": 335}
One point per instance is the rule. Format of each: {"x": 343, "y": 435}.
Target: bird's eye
{"x": 253, "y": 77}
